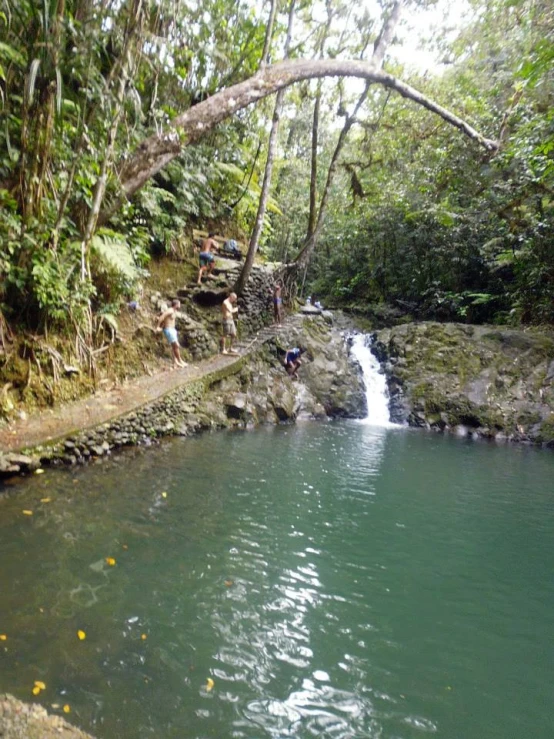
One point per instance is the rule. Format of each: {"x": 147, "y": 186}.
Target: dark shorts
{"x": 277, "y": 301}
{"x": 206, "y": 258}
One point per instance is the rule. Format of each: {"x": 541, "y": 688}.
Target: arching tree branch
{"x": 160, "y": 149}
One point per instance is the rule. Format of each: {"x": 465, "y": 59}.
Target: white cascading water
{"x": 378, "y": 413}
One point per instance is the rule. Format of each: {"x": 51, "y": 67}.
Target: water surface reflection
{"x": 335, "y": 580}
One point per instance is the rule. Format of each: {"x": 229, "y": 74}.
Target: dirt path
{"x": 51, "y": 424}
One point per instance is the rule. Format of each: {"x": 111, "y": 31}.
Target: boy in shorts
{"x": 166, "y": 323}
{"x": 206, "y": 258}
{"x": 293, "y": 361}
{"x": 229, "y": 329}
{"x": 277, "y": 305}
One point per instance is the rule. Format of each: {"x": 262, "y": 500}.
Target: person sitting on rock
{"x": 229, "y": 329}
{"x": 206, "y": 258}
{"x": 166, "y": 322}
{"x": 293, "y": 361}
{"x": 232, "y": 248}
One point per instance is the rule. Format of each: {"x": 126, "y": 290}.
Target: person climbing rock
{"x": 293, "y": 361}
{"x": 166, "y": 323}
{"x": 206, "y": 258}
{"x": 277, "y": 304}
{"x": 229, "y": 328}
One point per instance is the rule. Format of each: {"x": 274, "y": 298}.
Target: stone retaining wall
{"x": 253, "y": 390}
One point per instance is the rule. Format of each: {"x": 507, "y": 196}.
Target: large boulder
{"x": 328, "y": 378}
{"x": 474, "y": 379}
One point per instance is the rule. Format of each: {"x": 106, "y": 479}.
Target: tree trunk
{"x": 312, "y": 217}
{"x": 268, "y": 33}
{"x": 264, "y": 195}
{"x": 311, "y": 240}
{"x": 127, "y": 64}
{"x": 315, "y": 223}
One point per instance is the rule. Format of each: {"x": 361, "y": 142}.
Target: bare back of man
{"x": 206, "y": 258}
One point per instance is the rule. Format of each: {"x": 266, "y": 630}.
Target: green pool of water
{"x": 331, "y": 580}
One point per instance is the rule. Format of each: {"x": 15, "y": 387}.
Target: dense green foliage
{"x": 82, "y": 82}
{"x": 422, "y": 218}
{"x": 417, "y": 214}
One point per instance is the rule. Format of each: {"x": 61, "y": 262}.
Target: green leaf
{"x": 11, "y": 54}
{"x": 114, "y": 252}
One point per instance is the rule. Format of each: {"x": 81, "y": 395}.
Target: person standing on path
{"x": 166, "y": 323}
{"x": 229, "y": 329}
{"x": 206, "y": 258}
{"x": 277, "y": 304}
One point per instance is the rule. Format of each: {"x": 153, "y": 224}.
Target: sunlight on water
{"x": 326, "y": 580}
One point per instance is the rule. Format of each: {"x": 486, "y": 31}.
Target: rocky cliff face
{"x": 329, "y": 384}
{"x": 479, "y": 380}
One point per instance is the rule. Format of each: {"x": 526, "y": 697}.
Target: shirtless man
{"x": 166, "y": 323}
{"x": 229, "y": 328}
{"x": 277, "y": 304}
{"x": 206, "y": 258}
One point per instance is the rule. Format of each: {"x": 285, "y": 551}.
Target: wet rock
{"x": 236, "y": 405}
{"x": 20, "y": 720}
{"x": 310, "y": 310}
{"x": 475, "y": 379}
{"x": 13, "y": 463}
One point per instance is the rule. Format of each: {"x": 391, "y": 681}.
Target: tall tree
{"x": 264, "y": 195}
{"x": 315, "y": 223}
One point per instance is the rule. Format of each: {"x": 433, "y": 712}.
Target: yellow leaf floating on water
{"x": 3, "y": 637}
{"x": 143, "y": 636}
{"x": 55, "y": 705}
{"x": 67, "y": 708}
{"x": 27, "y": 513}
{"x": 40, "y": 685}
{"x": 39, "y": 472}
{"x": 209, "y": 684}
{"x": 45, "y": 500}
{"x": 81, "y": 634}
{"x": 110, "y": 561}
{"x": 36, "y": 690}
{"x": 164, "y": 495}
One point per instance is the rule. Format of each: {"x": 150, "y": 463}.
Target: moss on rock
{"x": 493, "y": 380}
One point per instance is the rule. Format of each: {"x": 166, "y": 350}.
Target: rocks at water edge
{"x": 20, "y": 720}
{"x": 485, "y": 381}
{"x": 13, "y": 464}
{"x": 254, "y": 390}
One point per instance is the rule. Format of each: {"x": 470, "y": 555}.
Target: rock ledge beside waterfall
{"x": 485, "y": 381}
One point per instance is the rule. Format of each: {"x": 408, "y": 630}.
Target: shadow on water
{"x": 333, "y": 580}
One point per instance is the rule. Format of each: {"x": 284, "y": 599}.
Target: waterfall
{"x": 378, "y": 413}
